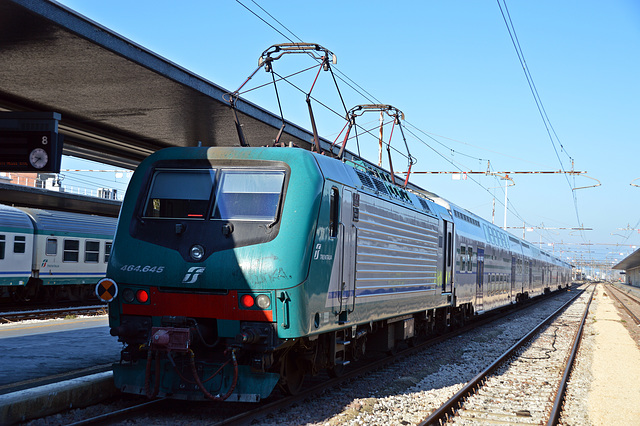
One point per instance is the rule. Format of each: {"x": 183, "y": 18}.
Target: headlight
{"x": 263, "y": 301}
{"x": 128, "y": 295}
{"x": 196, "y": 252}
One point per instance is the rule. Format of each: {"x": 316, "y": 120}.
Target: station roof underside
{"x": 119, "y": 101}
{"x": 25, "y": 196}
{"x": 630, "y": 262}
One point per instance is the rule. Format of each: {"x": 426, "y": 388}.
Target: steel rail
{"x": 49, "y": 313}
{"x": 262, "y": 410}
{"x": 245, "y": 417}
{"x": 554, "y": 416}
{"x": 624, "y": 305}
{"x": 449, "y": 407}
{"x": 109, "y": 418}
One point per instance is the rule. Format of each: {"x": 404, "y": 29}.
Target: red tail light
{"x": 142, "y": 296}
{"x": 247, "y": 301}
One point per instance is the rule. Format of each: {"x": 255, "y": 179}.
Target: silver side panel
{"x": 396, "y": 250}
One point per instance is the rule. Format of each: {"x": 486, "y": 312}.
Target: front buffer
{"x": 172, "y": 370}
{"x": 197, "y": 357}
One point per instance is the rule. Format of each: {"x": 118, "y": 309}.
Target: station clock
{"x": 29, "y": 142}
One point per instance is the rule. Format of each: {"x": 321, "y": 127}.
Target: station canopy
{"x": 630, "y": 262}
{"x": 119, "y": 101}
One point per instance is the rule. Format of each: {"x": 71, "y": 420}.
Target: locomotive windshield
{"x": 179, "y": 194}
{"x": 249, "y": 195}
{"x": 241, "y": 194}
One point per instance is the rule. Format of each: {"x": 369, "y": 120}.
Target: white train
{"x": 51, "y": 255}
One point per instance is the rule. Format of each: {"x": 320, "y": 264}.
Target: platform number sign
{"x": 30, "y": 142}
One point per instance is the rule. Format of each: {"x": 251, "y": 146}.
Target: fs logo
{"x": 192, "y": 275}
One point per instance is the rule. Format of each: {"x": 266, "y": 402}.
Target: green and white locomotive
{"x": 234, "y": 270}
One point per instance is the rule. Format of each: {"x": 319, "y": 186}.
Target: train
{"x": 238, "y": 270}
{"x": 48, "y": 255}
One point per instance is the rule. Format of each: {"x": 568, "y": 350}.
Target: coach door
{"x": 513, "y": 277}
{"x": 480, "y": 280}
{"x": 447, "y": 267}
{"x": 349, "y": 205}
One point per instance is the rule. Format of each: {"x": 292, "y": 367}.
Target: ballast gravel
{"x": 406, "y": 392}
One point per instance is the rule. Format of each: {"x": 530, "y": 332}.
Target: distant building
{"x": 26, "y": 179}
{"x": 631, "y": 266}
{"x": 53, "y": 182}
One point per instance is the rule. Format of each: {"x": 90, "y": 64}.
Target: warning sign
{"x": 106, "y": 289}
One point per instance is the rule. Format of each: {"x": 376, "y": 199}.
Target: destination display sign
{"x": 30, "y": 142}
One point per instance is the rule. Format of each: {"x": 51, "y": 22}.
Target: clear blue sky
{"x": 451, "y": 67}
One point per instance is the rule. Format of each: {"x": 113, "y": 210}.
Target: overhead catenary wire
{"x": 366, "y": 95}
{"x": 541, "y": 110}
{"x": 349, "y": 83}
{"x": 369, "y": 96}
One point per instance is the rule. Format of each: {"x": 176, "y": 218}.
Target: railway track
{"x": 251, "y": 411}
{"x": 14, "y": 316}
{"x": 235, "y": 414}
{"x": 630, "y": 304}
{"x": 526, "y": 384}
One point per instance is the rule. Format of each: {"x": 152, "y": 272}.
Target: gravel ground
{"x": 576, "y": 410}
{"x": 407, "y": 391}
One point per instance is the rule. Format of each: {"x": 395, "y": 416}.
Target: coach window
{"x": 463, "y": 258}
{"x": 2, "y": 246}
{"x": 470, "y": 264}
{"x": 71, "y": 251}
{"x": 51, "y": 248}
{"x": 107, "y": 251}
{"x": 91, "y": 251}
{"x": 450, "y": 246}
{"x": 334, "y": 214}
{"x": 19, "y": 244}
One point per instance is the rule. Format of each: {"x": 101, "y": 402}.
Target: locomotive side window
{"x": 249, "y": 195}
{"x": 334, "y": 207}
{"x": 71, "y": 251}
{"x": 180, "y": 194}
{"x": 19, "y": 244}
{"x": 2, "y": 246}
{"x": 91, "y": 251}
{"x": 51, "y": 248}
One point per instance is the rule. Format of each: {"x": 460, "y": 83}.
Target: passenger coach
{"x": 51, "y": 255}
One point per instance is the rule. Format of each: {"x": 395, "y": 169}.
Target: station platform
{"x": 35, "y": 350}
{"x": 37, "y": 357}
{"x": 630, "y": 289}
